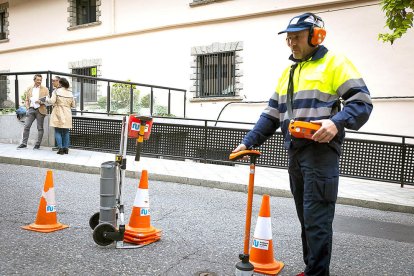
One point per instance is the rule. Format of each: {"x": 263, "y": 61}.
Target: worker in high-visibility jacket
{"x": 312, "y": 90}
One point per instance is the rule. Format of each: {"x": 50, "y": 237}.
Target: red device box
{"x": 134, "y": 124}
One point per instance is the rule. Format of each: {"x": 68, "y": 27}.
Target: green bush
{"x": 146, "y": 101}
{"x": 161, "y": 110}
{"x": 7, "y": 110}
{"x": 120, "y": 98}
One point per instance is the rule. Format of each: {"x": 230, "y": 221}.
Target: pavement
{"x": 275, "y": 182}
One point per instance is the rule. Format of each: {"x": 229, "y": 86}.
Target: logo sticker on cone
{"x": 46, "y": 219}
{"x": 139, "y": 229}
{"x": 261, "y": 251}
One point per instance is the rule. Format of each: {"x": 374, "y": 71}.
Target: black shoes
{"x": 23, "y": 146}
{"x": 63, "y": 151}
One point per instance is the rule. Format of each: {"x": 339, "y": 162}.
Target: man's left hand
{"x": 327, "y": 131}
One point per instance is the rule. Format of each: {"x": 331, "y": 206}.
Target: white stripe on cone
{"x": 142, "y": 198}
{"x": 49, "y": 196}
{"x": 263, "y": 228}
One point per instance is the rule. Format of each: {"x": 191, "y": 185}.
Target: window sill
{"x": 4, "y": 40}
{"x": 87, "y": 25}
{"x": 216, "y": 99}
{"x": 204, "y": 2}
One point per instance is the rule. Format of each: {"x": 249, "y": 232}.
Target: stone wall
{"x": 12, "y": 131}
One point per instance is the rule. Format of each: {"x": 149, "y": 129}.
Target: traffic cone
{"x": 46, "y": 219}
{"x": 261, "y": 251}
{"x": 139, "y": 229}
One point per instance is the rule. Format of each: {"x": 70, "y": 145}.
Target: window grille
{"x": 90, "y": 89}
{"x": 2, "y": 25}
{"x": 85, "y": 11}
{"x": 216, "y": 75}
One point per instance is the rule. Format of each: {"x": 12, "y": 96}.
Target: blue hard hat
{"x": 303, "y": 22}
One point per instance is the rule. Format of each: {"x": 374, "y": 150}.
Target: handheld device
{"x": 301, "y": 129}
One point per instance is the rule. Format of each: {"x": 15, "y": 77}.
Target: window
{"x": 2, "y": 25}
{"x": 85, "y": 11}
{"x": 203, "y": 2}
{"x": 90, "y": 89}
{"x": 4, "y": 22}
{"x": 216, "y": 74}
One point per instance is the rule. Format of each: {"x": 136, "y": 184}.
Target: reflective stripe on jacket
{"x": 319, "y": 83}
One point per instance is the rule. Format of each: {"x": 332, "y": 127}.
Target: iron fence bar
{"x": 81, "y": 96}
{"x": 16, "y": 93}
{"x": 152, "y": 101}
{"x": 108, "y": 97}
{"x": 111, "y": 80}
{"x": 169, "y": 102}
{"x": 185, "y": 104}
{"x": 131, "y": 99}
{"x": 205, "y": 141}
{"x": 48, "y": 82}
{"x": 380, "y": 134}
{"x": 25, "y": 73}
{"x": 403, "y": 162}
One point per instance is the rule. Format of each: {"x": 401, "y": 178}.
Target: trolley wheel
{"x": 94, "y": 220}
{"x": 98, "y": 234}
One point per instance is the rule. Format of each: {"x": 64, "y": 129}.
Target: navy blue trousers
{"x": 313, "y": 173}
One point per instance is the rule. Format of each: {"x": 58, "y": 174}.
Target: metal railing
{"x": 82, "y": 90}
{"x": 390, "y": 158}
{"x": 365, "y": 155}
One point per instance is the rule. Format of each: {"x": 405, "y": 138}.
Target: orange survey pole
{"x": 244, "y": 267}
{"x": 249, "y": 209}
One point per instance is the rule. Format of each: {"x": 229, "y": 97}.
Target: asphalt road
{"x": 202, "y": 227}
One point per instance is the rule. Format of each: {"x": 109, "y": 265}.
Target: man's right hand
{"x": 240, "y": 148}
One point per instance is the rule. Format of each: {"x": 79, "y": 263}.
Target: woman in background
{"x": 61, "y": 117}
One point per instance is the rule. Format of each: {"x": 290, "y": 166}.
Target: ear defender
{"x": 317, "y": 32}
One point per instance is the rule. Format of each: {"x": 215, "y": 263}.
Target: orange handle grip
{"x": 234, "y": 156}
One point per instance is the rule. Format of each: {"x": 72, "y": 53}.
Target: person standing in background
{"x": 36, "y": 110}
{"x": 55, "y": 83}
{"x": 61, "y": 117}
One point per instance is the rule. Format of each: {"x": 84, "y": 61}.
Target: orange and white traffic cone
{"x": 139, "y": 229}
{"x": 46, "y": 219}
{"x": 261, "y": 252}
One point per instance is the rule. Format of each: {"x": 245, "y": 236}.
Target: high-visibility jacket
{"x": 319, "y": 83}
